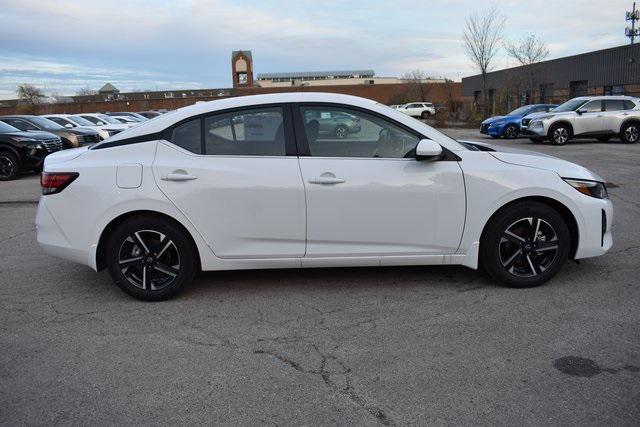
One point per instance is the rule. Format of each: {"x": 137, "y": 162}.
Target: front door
{"x": 368, "y": 196}
{"x": 590, "y": 121}
{"x": 229, "y": 173}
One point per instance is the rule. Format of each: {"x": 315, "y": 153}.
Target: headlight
{"x": 590, "y": 188}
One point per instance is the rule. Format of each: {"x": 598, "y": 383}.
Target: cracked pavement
{"x": 361, "y": 346}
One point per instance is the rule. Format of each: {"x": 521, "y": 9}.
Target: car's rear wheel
{"x": 150, "y": 258}
{"x": 341, "y": 132}
{"x": 9, "y": 166}
{"x": 560, "y": 134}
{"x": 525, "y": 245}
{"x": 511, "y": 132}
{"x": 630, "y": 133}
{"x": 425, "y": 114}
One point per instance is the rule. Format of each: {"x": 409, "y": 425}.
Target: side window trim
{"x": 301, "y": 136}
{"x": 290, "y": 141}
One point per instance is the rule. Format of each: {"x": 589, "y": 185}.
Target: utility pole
{"x": 633, "y": 16}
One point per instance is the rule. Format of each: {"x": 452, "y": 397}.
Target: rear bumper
{"x": 53, "y": 240}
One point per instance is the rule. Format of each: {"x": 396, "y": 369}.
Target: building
{"x": 613, "y": 71}
{"x": 328, "y": 78}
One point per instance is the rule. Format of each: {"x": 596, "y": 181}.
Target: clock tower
{"x": 242, "y": 68}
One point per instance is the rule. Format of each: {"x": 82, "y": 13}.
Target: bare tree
{"x": 530, "y": 50}
{"x": 86, "y": 91}
{"x": 29, "y": 94}
{"x": 418, "y": 87}
{"x": 482, "y": 36}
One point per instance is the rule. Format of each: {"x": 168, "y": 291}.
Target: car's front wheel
{"x": 511, "y": 132}
{"x": 560, "y": 134}
{"x": 630, "y": 133}
{"x": 525, "y": 245}
{"x": 150, "y": 258}
{"x": 9, "y": 166}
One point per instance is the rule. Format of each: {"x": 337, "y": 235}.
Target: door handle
{"x": 326, "y": 180}
{"x": 178, "y": 176}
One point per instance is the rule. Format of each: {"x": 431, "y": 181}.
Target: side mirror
{"x": 428, "y": 149}
{"x": 68, "y": 126}
{"x": 581, "y": 111}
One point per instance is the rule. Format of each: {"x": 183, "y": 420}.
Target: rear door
{"x": 236, "y": 177}
{"x": 615, "y": 111}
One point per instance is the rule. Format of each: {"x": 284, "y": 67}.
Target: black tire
{"x": 341, "y": 131}
{"x": 9, "y": 166}
{"x": 511, "y": 132}
{"x": 537, "y": 140}
{"x": 512, "y": 262}
{"x": 560, "y": 134}
{"x": 425, "y": 115}
{"x": 603, "y": 138}
{"x": 175, "y": 249}
{"x": 630, "y": 133}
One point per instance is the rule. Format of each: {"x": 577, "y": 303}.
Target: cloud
{"x": 60, "y": 44}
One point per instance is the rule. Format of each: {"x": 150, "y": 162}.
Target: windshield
{"x": 108, "y": 119}
{"x": 5, "y": 128}
{"x": 79, "y": 121}
{"x": 519, "y": 111}
{"x": 570, "y": 105}
{"x": 45, "y": 123}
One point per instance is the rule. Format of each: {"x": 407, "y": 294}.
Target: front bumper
{"x": 595, "y": 236}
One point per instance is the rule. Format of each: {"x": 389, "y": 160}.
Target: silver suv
{"x": 600, "y": 117}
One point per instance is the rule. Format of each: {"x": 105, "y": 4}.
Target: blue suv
{"x": 509, "y": 126}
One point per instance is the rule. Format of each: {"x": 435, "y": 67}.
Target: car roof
{"x": 160, "y": 123}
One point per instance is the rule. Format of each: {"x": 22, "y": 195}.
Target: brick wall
{"x": 438, "y": 93}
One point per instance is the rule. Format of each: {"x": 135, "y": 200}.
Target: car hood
{"x": 493, "y": 119}
{"x": 35, "y": 134}
{"x": 549, "y": 114}
{"x": 536, "y": 160}
{"x": 80, "y": 130}
{"x": 64, "y": 155}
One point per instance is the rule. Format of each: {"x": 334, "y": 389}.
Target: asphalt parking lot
{"x": 414, "y": 345}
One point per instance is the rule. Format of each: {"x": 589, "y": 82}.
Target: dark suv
{"x": 24, "y": 150}
{"x": 70, "y": 137}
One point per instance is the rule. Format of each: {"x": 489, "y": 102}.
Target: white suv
{"x": 600, "y": 117}
{"x": 418, "y": 109}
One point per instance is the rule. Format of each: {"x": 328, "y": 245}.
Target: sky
{"x": 62, "y": 46}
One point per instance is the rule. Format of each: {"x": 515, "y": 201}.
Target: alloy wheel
{"x": 341, "y": 132}
{"x": 6, "y": 166}
{"x": 560, "y": 135}
{"x": 632, "y": 133}
{"x": 511, "y": 132}
{"x": 149, "y": 260}
{"x": 528, "y": 247}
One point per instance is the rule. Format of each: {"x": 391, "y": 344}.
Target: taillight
{"x": 55, "y": 182}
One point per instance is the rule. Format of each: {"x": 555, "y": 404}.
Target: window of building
{"x": 546, "y": 93}
{"x": 476, "y": 98}
{"x": 255, "y": 132}
{"x": 613, "y": 90}
{"x": 343, "y": 132}
{"x": 578, "y": 88}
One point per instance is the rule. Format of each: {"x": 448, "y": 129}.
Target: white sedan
{"x": 250, "y": 182}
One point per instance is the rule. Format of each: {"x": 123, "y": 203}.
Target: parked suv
{"x": 418, "y": 109}
{"x": 601, "y": 117}
{"x": 24, "y": 150}
{"x": 70, "y": 137}
{"x": 509, "y": 126}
